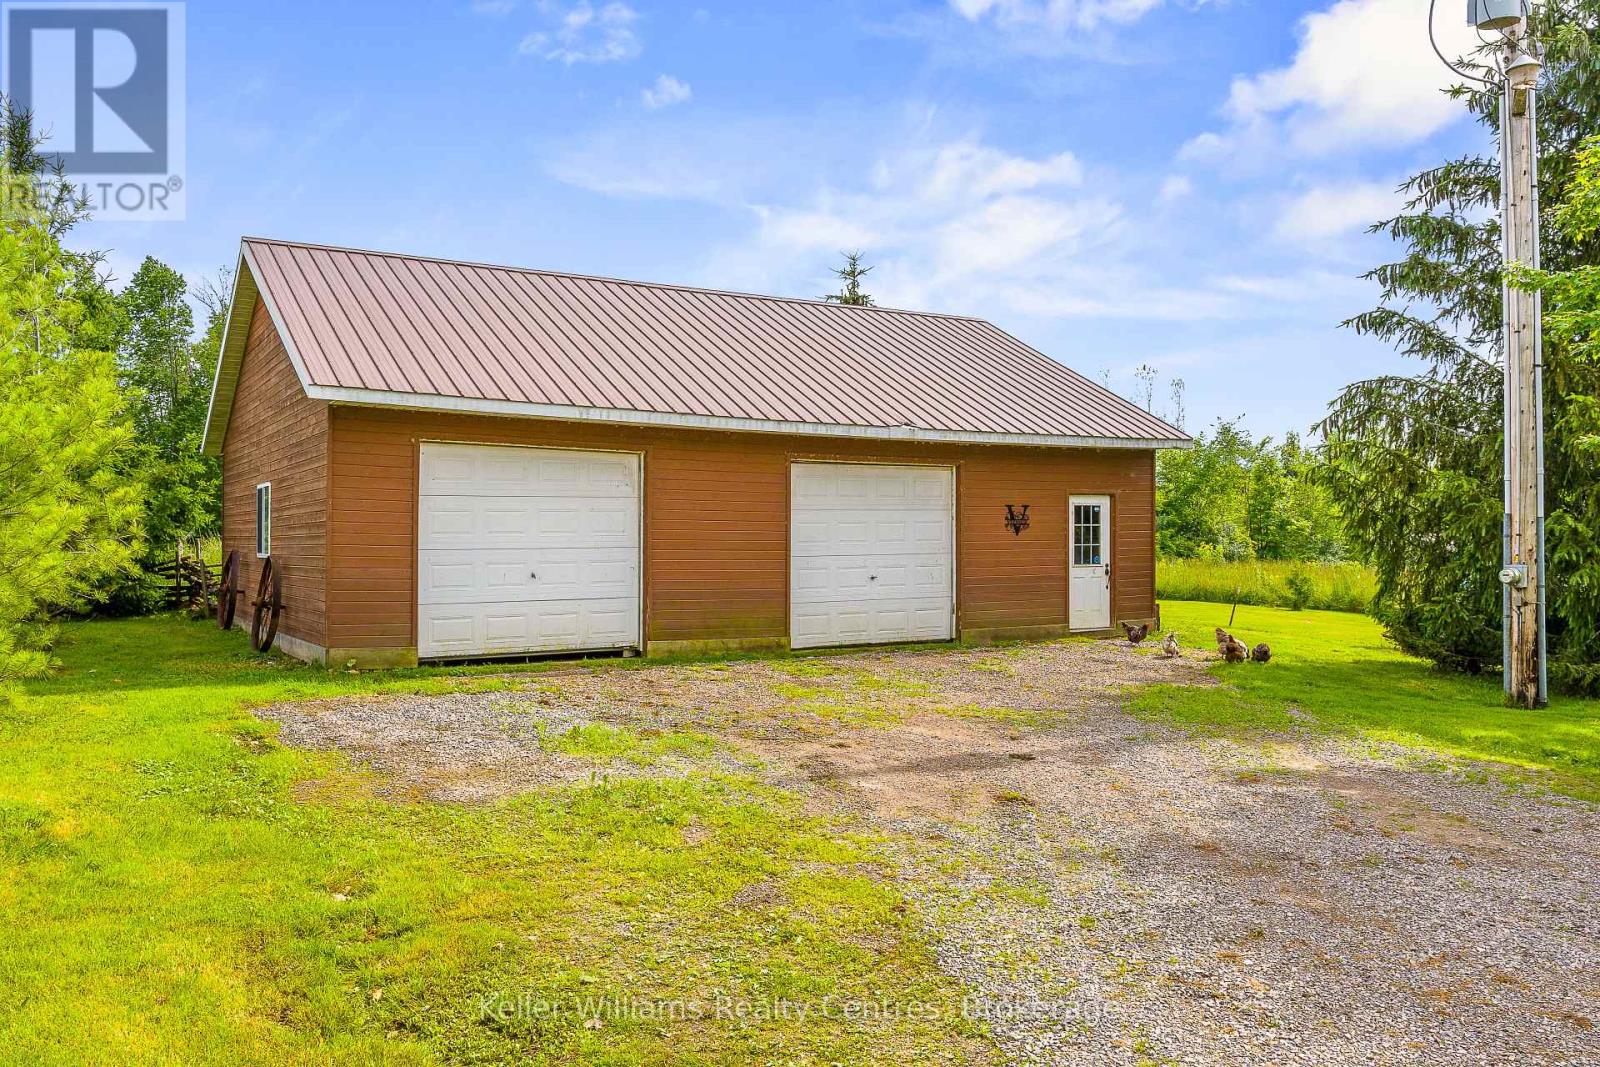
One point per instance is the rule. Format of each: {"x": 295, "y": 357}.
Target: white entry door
{"x": 872, "y": 554}
{"x": 1089, "y": 555}
{"x": 526, "y": 550}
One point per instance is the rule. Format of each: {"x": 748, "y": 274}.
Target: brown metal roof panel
{"x": 335, "y": 273}
{"x": 600, "y": 317}
{"x": 662, "y": 351}
{"x": 370, "y": 320}
{"x": 743, "y": 345}
{"x": 331, "y": 338}
{"x": 393, "y": 326}
{"x": 915, "y": 369}
{"x": 474, "y": 321}
{"x": 523, "y": 316}
{"x": 732, "y": 374}
{"x": 421, "y": 344}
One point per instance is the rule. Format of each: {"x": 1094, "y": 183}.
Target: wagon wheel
{"x": 228, "y": 593}
{"x": 268, "y": 605}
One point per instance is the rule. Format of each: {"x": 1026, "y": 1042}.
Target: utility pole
{"x": 1523, "y": 575}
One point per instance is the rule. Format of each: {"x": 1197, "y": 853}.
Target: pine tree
{"x": 1415, "y": 462}
{"x": 67, "y": 517}
{"x": 851, "y": 274}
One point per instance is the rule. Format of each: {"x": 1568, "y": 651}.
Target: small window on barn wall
{"x": 264, "y": 520}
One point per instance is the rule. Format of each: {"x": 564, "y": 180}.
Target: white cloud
{"x": 964, "y": 226}
{"x": 1055, "y": 14}
{"x": 586, "y": 34}
{"x": 1204, "y": 148}
{"x": 1331, "y": 210}
{"x": 947, "y": 223}
{"x": 1175, "y": 188}
{"x": 665, "y": 92}
{"x": 968, "y": 169}
{"x": 818, "y": 230}
{"x": 1363, "y": 74}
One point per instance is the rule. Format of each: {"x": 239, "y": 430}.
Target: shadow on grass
{"x": 1335, "y": 672}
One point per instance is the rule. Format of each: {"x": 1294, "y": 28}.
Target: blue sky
{"x": 1118, "y": 182}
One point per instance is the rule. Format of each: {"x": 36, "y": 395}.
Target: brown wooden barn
{"x": 451, "y": 460}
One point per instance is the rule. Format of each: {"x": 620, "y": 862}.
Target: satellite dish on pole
{"x": 1494, "y": 14}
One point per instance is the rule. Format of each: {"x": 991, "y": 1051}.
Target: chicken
{"x": 1169, "y": 647}
{"x": 1234, "y": 651}
{"x": 1223, "y": 637}
{"x": 1261, "y": 653}
{"x": 1136, "y": 633}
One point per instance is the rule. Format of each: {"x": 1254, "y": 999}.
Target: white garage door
{"x": 872, "y": 554}
{"x": 526, "y": 550}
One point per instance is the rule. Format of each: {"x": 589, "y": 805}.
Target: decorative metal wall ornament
{"x": 1017, "y": 518}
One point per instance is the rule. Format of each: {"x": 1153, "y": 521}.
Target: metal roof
{"x": 410, "y": 331}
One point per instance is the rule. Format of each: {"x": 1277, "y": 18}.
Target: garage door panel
{"x": 526, "y": 550}
{"x": 490, "y": 629}
{"x": 887, "y": 537}
{"x": 464, "y": 577}
{"x": 486, "y": 522}
{"x": 454, "y": 469}
{"x": 871, "y": 554}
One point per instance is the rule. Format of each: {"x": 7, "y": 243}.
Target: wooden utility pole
{"x": 1523, "y": 574}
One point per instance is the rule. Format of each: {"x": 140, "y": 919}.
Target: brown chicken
{"x": 1261, "y": 653}
{"x": 1136, "y": 633}
{"x": 1230, "y": 648}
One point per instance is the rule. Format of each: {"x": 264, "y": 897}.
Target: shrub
{"x": 1299, "y": 588}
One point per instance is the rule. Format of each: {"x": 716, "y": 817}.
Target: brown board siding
{"x": 716, "y": 532}
{"x": 277, "y": 434}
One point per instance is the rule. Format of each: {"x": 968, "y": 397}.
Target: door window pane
{"x": 1085, "y": 535}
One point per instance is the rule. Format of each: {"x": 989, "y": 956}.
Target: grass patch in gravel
{"x": 1336, "y": 672}
{"x": 838, "y": 704}
{"x": 181, "y": 888}
{"x": 1012, "y": 716}
{"x": 599, "y": 741}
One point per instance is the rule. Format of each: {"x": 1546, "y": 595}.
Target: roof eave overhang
{"x": 235, "y": 336}
{"x": 380, "y": 398}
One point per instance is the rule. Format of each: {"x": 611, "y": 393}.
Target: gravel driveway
{"x": 1109, "y": 891}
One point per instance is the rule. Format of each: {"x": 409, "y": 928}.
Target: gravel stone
{"x": 1107, "y": 890}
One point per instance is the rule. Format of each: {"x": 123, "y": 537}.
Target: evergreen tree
{"x": 67, "y": 517}
{"x": 850, "y": 275}
{"x": 1415, "y": 462}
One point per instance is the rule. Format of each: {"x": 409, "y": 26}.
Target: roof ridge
{"x": 608, "y": 279}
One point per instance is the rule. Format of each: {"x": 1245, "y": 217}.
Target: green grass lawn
{"x": 1341, "y": 674}
{"x": 178, "y": 888}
